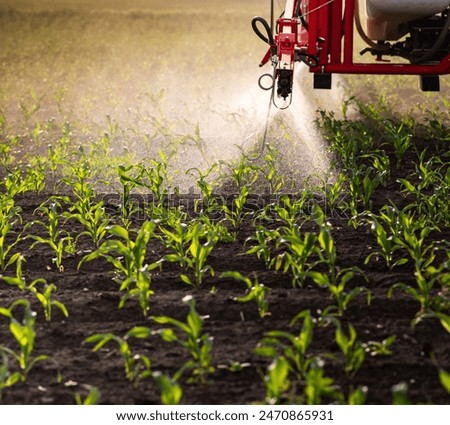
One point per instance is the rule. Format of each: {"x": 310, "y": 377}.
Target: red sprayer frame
{"x": 324, "y": 39}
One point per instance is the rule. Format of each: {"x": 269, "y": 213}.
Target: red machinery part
{"x": 321, "y": 34}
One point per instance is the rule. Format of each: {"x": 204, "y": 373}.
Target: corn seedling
{"x": 237, "y": 212}
{"x": 362, "y": 184}
{"x": 192, "y": 253}
{"x": 89, "y": 214}
{"x": 171, "y": 391}
{"x": 92, "y": 399}
{"x": 413, "y": 238}
{"x": 387, "y": 243}
{"x": 35, "y": 178}
{"x": 358, "y": 396}
{"x": 293, "y": 348}
{"x": 255, "y": 291}
{"x": 430, "y": 300}
{"x": 197, "y": 343}
{"x": 137, "y": 366}
{"x": 262, "y": 245}
{"x": 334, "y": 191}
{"x": 154, "y": 177}
{"x": 129, "y": 182}
{"x": 209, "y": 202}
{"x": 25, "y": 334}
{"x": 7, "y": 377}
{"x": 352, "y": 349}
{"x": 400, "y": 394}
{"x": 9, "y": 218}
{"x": 298, "y": 250}
{"x": 274, "y": 179}
{"x": 290, "y": 210}
{"x": 45, "y": 297}
{"x": 128, "y": 258}
{"x": 336, "y": 284}
{"x": 400, "y": 136}
{"x": 277, "y": 381}
{"x": 318, "y": 385}
{"x": 383, "y": 348}
{"x": 58, "y": 240}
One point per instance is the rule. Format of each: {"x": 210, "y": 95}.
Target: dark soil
{"x": 92, "y": 297}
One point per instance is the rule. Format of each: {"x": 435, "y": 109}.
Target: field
{"x": 156, "y": 248}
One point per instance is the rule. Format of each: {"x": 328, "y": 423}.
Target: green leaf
{"x": 186, "y": 279}
{"x": 119, "y": 231}
{"x": 445, "y": 320}
{"x": 168, "y": 335}
{"x": 140, "y": 332}
{"x": 102, "y": 340}
{"x": 62, "y": 307}
{"x": 444, "y": 378}
{"x": 320, "y": 279}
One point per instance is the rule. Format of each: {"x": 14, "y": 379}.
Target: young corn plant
{"x": 193, "y": 339}
{"x": 337, "y": 287}
{"x": 129, "y": 182}
{"x": 262, "y": 245}
{"x": 353, "y": 350}
{"x": 192, "y": 253}
{"x": 277, "y": 381}
{"x": 388, "y": 244}
{"x": 44, "y": 296}
{"x": 334, "y": 192}
{"x": 210, "y": 203}
{"x": 274, "y": 179}
{"x": 152, "y": 176}
{"x": 297, "y": 250}
{"x": 24, "y": 333}
{"x": 244, "y": 175}
{"x": 128, "y": 258}
{"x": 290, "y": 211}
{"x": 9, "y": 218}
{"x": 413, "y": 237}
{"x": 237, "y": 212}
{"x": 432, "y": 191}
{"x": 399, "y": 135}
{"x": 90, "y": 214}
{"x": 137, "y": 366}
{"x": 60, "y": 241}
{"x": 318, "y": 386}
{"x": 292, "y": 347}
{"x": 432, "y": 302}
{"x": 8, "y": 378}
{"x": 255, "y": 291}
{"x": 171, "y": 391}
{"x": 377, "y": 348}
{"x": 92, "y": 399}
{"x": 362, "y": 184}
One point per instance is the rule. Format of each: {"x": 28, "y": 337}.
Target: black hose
{"x": 437, "y": 45}
{"x": 269, "y": 39}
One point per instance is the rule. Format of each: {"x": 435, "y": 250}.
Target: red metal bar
{"x": 324, "y": 31}
{"x": 313, "y": 25}
{"x": 335, "y": 33}
{"x": 387, "y": 68}
{"x": 348, "y": 31}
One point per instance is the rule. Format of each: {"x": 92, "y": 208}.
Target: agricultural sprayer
{"x": 402, "y": 37}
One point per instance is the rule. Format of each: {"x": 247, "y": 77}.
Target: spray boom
{"x": 405, "y": 37}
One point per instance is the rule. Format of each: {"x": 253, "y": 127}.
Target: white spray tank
{"x": 388, "y": 19}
